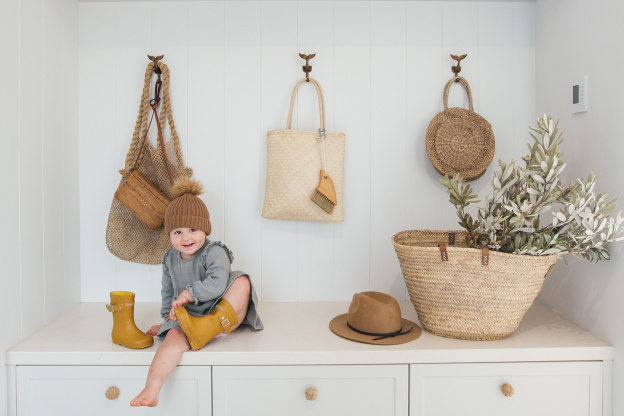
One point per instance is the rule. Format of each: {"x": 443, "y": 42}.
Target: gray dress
{"x": 207, "y": 275}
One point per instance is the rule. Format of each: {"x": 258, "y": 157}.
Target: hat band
{"x": 380, "y": 336}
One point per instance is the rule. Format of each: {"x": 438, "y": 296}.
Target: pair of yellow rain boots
{"x": 125, "y": 331}
{"x": 200, "y": 330}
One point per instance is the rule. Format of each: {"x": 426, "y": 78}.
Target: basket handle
{"x": 447, "y": 89}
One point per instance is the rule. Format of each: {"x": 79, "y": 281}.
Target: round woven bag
{"x": 460, "y": 140}
{"x": 458, "y": 293}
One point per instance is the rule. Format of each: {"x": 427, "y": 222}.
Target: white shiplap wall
{"x": 39, "y": 214}
{"x": 382, "y": 65}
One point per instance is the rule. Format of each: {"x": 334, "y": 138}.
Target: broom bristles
{"x": 322, "y": 201}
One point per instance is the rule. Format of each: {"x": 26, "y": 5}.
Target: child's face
{"x": 187, "y": 241}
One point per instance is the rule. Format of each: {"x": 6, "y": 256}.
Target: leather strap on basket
{"x": 447, "y": 89}
{"x": 485, "y": 255}
{"x": 141, "y": 127}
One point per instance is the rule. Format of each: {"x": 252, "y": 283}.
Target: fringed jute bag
{"x": 146, "y": 183}
{"x": 467, "y": 293}
{"x": 460, "y": 140}
{"x": 296, "y": 162}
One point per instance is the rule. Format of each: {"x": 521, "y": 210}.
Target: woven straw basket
{"x": 462, "y": 297}
{"x": 460, "y": 140}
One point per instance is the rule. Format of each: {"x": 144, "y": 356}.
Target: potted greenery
{"x": 479, "y": 282}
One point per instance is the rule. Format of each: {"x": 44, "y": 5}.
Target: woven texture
{"x": 461, "y": 297}
{"x": 294, "y": 162}
{"x": 127, "y": 237}
{"x": 143, "y": 199}
{"x": 460, "y": 140}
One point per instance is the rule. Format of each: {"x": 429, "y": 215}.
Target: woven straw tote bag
{"x": 294, "y": 160}
{"x": 467, "y": 293}
{"x": 460, "y": 140}
{"x": 126, "y": 236}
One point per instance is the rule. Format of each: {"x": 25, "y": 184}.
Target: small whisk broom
{"x": 325, "y": 194}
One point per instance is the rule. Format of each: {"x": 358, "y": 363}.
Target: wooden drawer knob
{"x": 507, "y": 390}
{"x": 311, "y": 393}
{"x": 112, "y": 393}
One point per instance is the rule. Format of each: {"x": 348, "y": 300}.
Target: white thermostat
{"x": 579, "y": 96}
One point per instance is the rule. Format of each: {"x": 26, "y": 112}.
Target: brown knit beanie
{"x": 187, "y": 210}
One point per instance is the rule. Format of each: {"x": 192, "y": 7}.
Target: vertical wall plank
{"x": 52, "y": 159}
{"x": 352, "y": 60}
{"x": 460, "y": 35}
{"x": 424, "y": 101}
{"x": 279, "y": 74}
{"x": 523, "y": 75}
{"x": 243, "y": 136}
{"x": 316, "y": 240}
{"x": 31, "y": 171}
{"x": 132, "y": 40}
{"x": 97, "y": 130}
{"x": 388, "y": 141}
{"x": 71, "y": 165}
{"x": 206, "y": 143}
{"x": 9, "y": 207}
{"x": 496, "y": 102}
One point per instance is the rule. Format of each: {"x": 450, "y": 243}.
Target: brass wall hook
{"x": 457, "y": 68}
{"x": 155, "y": 60}
{"x": 307, "y": 68}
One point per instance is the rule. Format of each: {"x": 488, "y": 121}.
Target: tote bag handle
{"x": 319, "y": 92}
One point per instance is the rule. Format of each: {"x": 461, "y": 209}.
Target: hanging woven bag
{"x": 297, "y": 160}
{"x": 134, "y": 232}
{"x": 460, "y": 140}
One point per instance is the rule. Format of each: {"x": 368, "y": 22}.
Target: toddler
{"x": 201, "y": 296}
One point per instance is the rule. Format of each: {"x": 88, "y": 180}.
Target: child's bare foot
{"x": 147, "y": 397}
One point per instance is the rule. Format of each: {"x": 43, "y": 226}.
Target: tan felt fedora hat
{"x": 375, "y": 318}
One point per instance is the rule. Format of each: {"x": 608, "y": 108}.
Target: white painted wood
{"x": 570, "y": 388}
{"x": 424, "y": 101}
{"x": 10, "y": 206}
{"x": 52, "y": 158}
{"x": 99, "y": 175}
{"x": 496, "y": 90}
{"x": 280, "y": 72}
{"x": 280, "y": 390}
{"x": 352, "y": 89}
{"x": 243, "y": 136}
{"x": 297, "y": 345}
{"x": 382, "y": 65}
{"x": 30, "y": 167}
{"x": 297, "y": 333}
{"x": 460, "y": 35}
{"x": 133, "y": 27}
{"x": 315, "y": 240}
{"x": 205, "y": 144}
{"x": 388, "y": 143}
{"x": 71, "y": 165}
{"x": 76, "y": 390}
{"x": 523, "y": 75}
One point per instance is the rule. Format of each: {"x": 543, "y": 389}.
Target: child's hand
{"x": 153, "y": 330}
{"x": 183, "y": 299}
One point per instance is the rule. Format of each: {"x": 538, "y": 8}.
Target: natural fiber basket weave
{"x": 460, "y": 140}
{"x": 461, "y": 297}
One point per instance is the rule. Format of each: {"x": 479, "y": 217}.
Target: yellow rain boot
{"x": 125, "y": 331}
{"x": 201, "y": 330}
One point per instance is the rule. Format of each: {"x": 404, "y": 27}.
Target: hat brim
{"x": 338, "y": 326}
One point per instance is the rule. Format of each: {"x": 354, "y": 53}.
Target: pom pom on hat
{"x": 187, "y": 210}
{"x": 186, "y": 185}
